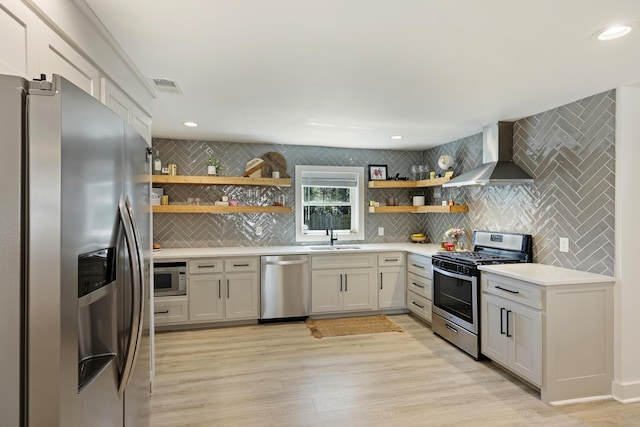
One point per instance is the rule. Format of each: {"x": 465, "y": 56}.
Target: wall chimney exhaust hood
{"x": 497, "y": 160}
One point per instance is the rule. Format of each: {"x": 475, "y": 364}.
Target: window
{"x": 335, "y": 190}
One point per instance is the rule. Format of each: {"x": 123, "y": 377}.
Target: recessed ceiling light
{"x": 613, "y": 32}
{"x": 396, "y": 137}
{"x": 190, "y": 124}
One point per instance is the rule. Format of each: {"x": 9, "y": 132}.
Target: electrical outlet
{"x": 258, "y": 231}
{"x": 564, "y": 244}
{"x": 380, "y": 231}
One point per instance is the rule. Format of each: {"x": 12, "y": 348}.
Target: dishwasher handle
{"x": 294, "y": 262}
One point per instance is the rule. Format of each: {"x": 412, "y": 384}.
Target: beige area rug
{"x": 351, "y": 326}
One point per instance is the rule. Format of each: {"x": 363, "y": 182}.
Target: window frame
{"x": 357, "y": 231}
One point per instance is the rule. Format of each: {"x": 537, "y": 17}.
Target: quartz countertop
{"x": 427, "y": 249}
{"x": 545, "y": 275}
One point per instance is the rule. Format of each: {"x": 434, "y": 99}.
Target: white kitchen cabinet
{"x": 223, "y": 289}
{"x": 118, "y": 101}
{"x": 551, "y": 326}
{"x": 349, "y": 289}
{"x": 58, "y": 57}
{"x": 170, "y": 310}
{"x": 336, "y": 290}
{"x": 418, "y": 286}
{"x": 242, "y": 296}
{"x": 18, "y": 51}
{"x": 206, "y": 301}
{"x": 391, "y": 280}
{"x": 512, "y": 336}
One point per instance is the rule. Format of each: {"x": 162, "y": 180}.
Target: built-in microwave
{"x": 169, "y": 278}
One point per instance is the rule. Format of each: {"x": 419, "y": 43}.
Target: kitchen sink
{"x": 332, "y": 248}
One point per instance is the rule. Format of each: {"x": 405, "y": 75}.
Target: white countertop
{"x": 546, "y": 275}
{"x": 427, "y": 249}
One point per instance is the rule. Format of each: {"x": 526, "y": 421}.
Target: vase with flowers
{"x": 453, "y": 235}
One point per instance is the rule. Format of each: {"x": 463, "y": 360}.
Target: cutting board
{"x": 253, "y": 168}
{"x": 274, "y": 162}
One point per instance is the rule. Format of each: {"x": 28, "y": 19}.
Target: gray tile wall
{"x": 568, "y": 150}
{"x": 570, "y": 153}
{"x": 215, "y": 230}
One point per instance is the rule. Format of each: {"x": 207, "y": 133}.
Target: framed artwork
{"x": 377, "y": 172}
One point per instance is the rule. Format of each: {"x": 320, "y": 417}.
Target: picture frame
{"x": 377, "y": 172}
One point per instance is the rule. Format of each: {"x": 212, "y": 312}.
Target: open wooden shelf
{"x": 436, "y": 182}
{"x": 219, "y": 209}
{"x": 220, "y": 180}
{"x": 419, "y": 209}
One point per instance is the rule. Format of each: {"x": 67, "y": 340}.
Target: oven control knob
{"x": 467, "y": 270}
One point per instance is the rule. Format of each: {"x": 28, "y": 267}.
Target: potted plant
{"x": 213, "y": 166}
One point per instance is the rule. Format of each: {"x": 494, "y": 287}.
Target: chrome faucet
{"x": 328, "y": 221}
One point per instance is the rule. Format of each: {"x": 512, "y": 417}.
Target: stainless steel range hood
{"x": 497, "y": 154}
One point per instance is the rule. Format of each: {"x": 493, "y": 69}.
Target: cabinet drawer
{"x": 342, "y": 261}
{"x": 169, "y": 310}
{"x": 420, "y": 265}
{"x": 419, "y": 306}
{"x": 419, "y": 285}
{"x": 241, "y": 264}
{"x": 211, "y": 265}
{"x": 513, "y": 290}
{"x": 390, "y": 259}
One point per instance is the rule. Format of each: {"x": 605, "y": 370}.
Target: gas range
{"x": 456, "y": 290}
{"x": 489, "y": 248}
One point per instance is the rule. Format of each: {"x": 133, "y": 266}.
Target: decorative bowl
{"x": 418, "y": 239}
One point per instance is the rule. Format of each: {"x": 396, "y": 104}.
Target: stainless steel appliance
{"x": 169, "y": 278}
{"x": 74, "y": 240}
{"x": 456, "y": 280}
{"x": 284, "y": 287}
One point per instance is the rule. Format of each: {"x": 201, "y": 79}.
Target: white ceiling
{"x": 351, "y": 73}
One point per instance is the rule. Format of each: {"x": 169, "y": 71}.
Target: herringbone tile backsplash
{"x": 569, "y": 151}
{"x": 215, "y": 230}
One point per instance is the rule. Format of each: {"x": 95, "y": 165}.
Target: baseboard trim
{"x": 626, "y": 392}
{"x": 580, "y": 400}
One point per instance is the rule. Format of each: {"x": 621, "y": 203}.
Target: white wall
{"x": 626, "y": 384}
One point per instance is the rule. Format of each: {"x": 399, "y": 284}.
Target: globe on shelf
{"x": 445, "y": 162}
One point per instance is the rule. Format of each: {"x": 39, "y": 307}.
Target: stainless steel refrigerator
{"x": 74, "y": 260}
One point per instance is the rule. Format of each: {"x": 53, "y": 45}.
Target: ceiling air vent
{"x": 166, "y": 85}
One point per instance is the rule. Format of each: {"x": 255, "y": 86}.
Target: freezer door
{"x": 12, "y": 97}
{"x": 76, "y": 158}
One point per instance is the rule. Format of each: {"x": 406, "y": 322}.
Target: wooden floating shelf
{"x": 219, "y": 209}
{"x": 220, "y": 180}
{"x": 436, "y": 182}
{"x": 420, "y": 209}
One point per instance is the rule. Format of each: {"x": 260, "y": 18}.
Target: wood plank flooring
{"x": 279, "y": 375}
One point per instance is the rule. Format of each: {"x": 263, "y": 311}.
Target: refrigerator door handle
{"x": 132, "y": 340}
{"x": 142, "y": 284}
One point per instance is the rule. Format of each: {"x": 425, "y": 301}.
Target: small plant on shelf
{"x": 213, "y": 166}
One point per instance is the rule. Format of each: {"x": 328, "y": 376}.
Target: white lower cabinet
{"x": 351, "y": 289}
{"x": 231, "y": 294}
{"x": 555, "y": 331}
{"x": 391, "y": 280}
{"x": 206, "y": 298}
{"x": 336, "y": 290}
{"x": 242, "y": 291}
{"x": 170, "y": 310}
{"x": 218, "y": 290}
{"x": 418, "y": 286}
{"x": 512, "y": 336}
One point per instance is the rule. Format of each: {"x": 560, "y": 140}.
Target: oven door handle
{"x": 454, "y": 275}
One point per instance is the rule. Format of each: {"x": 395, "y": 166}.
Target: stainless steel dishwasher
{"x": 284, "y": 286}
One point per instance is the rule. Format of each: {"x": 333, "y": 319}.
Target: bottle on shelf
{"x": 157, "y": 163}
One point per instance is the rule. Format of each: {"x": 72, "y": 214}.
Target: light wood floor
{"x": 279, "y": 375}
